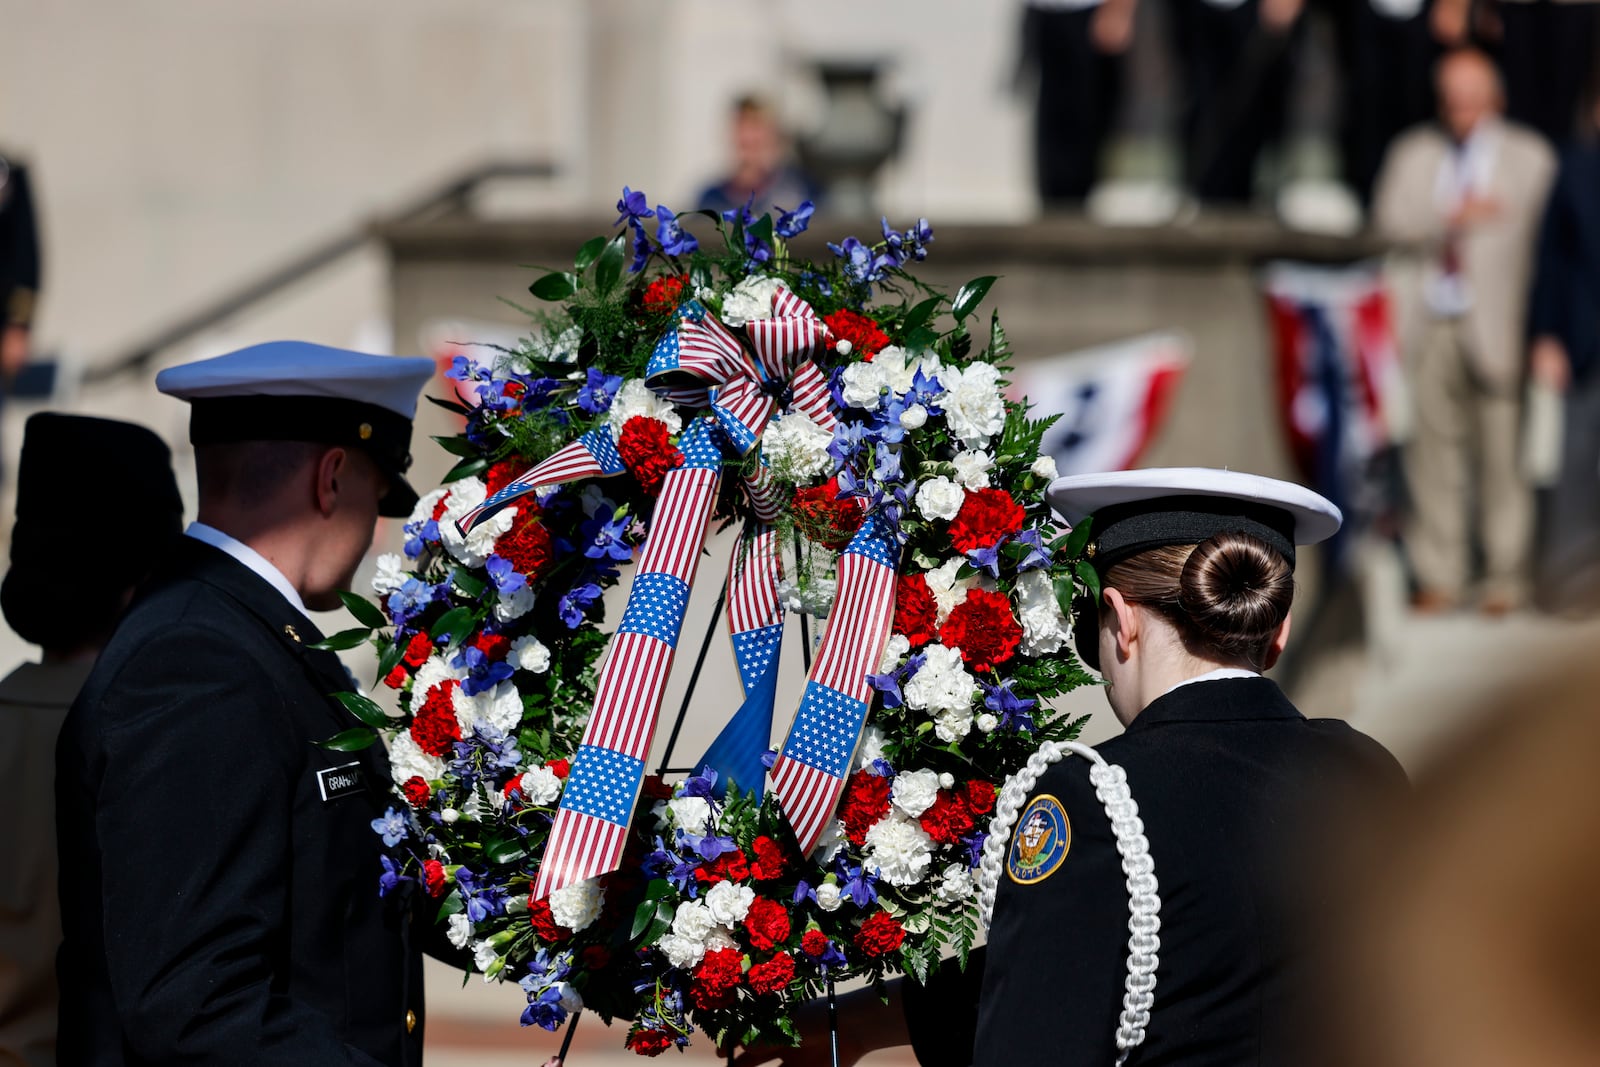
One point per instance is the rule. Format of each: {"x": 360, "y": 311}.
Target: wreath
{"x": 851, "y": 420}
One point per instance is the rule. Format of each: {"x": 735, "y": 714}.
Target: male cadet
{"x": 218, "y": 870}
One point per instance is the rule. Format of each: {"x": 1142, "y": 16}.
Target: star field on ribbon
{"x": 602, "y": 783}
{"x": 655, "y": 607}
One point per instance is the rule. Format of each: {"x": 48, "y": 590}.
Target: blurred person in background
{"x": 1076, "y": 48}
{"x": 1237, "y": 59}
{"x": 19, "y": 266}
{"x": 1466, "y": 933}
{"x": 1466, "y": 197}
{"x": 1564, "y": 322}
{"x": 1546, "y": 49}
{"x": 54, "y": 597}
{"x": 764, "y": 173}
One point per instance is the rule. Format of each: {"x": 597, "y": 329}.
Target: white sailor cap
{"x": 298, "y": 391}
{"x": 1132, "y": 511}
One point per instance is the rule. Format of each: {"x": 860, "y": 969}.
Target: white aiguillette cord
{"x": 1144, "y": 906}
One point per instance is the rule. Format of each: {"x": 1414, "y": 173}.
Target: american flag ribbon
{"x": 594, "y": 455}
{"x": 815, "y": 760}
{"x": 591, "y": 826}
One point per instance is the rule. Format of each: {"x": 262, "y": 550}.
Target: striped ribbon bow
{"x": 703, "y": 364}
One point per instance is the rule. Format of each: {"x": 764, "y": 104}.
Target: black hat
{"x": 297, "y": 391}
{"x": 97, "y": 505}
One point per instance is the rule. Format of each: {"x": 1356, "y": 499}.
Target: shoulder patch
{"x": 1040, "y": 841}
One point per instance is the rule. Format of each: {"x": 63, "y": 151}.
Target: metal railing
{"x": 451, "y": 197}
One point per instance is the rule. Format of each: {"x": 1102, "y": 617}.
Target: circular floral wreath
{"x": 492, "y": 637}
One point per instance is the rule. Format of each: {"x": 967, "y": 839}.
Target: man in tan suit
{"x": 1464, "y": 199}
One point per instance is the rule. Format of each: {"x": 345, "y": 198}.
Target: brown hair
{"x": 1227, "y": 595}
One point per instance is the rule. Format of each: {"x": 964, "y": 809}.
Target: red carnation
{"x": 866, "y": 800}
{"x": 418, "y": 649}
{"x": 880, "y": 934}
{"x": 826, "y": 519}
{"x": 526, "y": 546}
{"x": 767, "y": 923}
{"x": 773, "y": 976}
{"x": 416, "y": 791}
{"x": 948, "y": 820}
{"x": 814, "y": 943}
{"x": 729, "y": 867}
{"x": 433, "y": 877}
{"x": 559, "y": 767}
{"x": 978, "y": 796}
{"x": 594, "y": 957}
{"x": 986, "y": 516}
{"x": 544, "y": 924}
{"x": 716, "y": 980}
{"x": 865, "y": 337}
{"x": 916, "y": 615}
{"x": 439, "y": 508}
{"x": 662, "y": 296}
{"x": 983, "y": 628}
{"x": 396, "y": 678}
{"x": 655, "y": 786}
{"x": 502, "y": 474}
{"x": 770, "y": 861}
{"x": 435, "y": 729}
{"x": 515, "y": 785}
{"x": 493, "y": 646}
{"x": 649, "y": 1042}
{"x": 647, "y": 450}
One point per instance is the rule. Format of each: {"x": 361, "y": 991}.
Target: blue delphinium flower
{"x": 505, "y": 576}
{"x": 857, "y": 883}
{"x": 606, "y": 536}
{"x": 918, "y": 237}
{"x": 391, "y": 878}
{"x": 831, "y": 957}
{"x": 702, "y": 785}
{"x": 594, "y": 395}
{"x": 794, "y": 223}
{"x": 483, "y": 899}
{"x": 1038, "y": 554}
{"x": 419, "y": 535}
{"x": 974, "y": 844}
{"x": 411, "y": 600}
{"x": 889, "y": 686}
{"x": 550, "y": 997}
{"x": 1012, "y": 709}
{"x": 633, "y": 205}
{"x": 641, "y": 247}
{"x": 675, "y": 240}
{"x": 986, "y": 559}
{"x": 576, "y": 602}
{"x": 391, "y": 825}
{"x": 483, "y": 673}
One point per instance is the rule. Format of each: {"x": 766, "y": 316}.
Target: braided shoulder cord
{"x": 1144, "y": 906}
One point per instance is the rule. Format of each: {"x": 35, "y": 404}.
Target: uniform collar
{"x": 1218, "y": 700}
{"x": 242, "y": 552}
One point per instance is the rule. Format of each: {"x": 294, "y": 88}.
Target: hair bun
{"x": 1236, "y": 592}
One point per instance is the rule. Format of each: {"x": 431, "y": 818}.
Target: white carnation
{"x": 407, "y": 761}
{"x": 972, "y": 468}
{"x": 942, "y": 684}
{"x": 475, "y": 548}
{"x": 435, "y": 670}
{"x": 513, "y": 607}
{"x": 949, "y": 592}
{"x": 391, "y": 575}
{"x": 750, "y": 299}
{"x": 571, "y": 999}
{"x": 691, "y": 813}
{"x": 814, "y": 597}
{"x": 939, "y": 498}
{"x": 914, "y": 792}
{"x": 828, "y": 897}
{"x": 872, "y": 739}
{"x": 914, "y": 417}
{"x": 694, "y": 921}
{"x": 1044, "y": 467}
{"x": 720, "y": 937}
{"x": 1044, "y": 627}
{"x": 972, "y": 405}
{"x": 577, "y": 905}
{"x": 682, "y": 952}
{"x": 986, "y": 723}
{"x": 637, "y": 398}
{"x": 955, "y": 884}
{"x": 484, "y": 956}
{"x": 901, "y": 369}
{"x": 540, "y": 786}
{"x": 459, "y": 930}
{"x": 899, "y": 850}
{"x": 796, "y": 447}
{"x": 729, "y": 903}
{"x": 424, "y": 509}
{"x": 450, "y": 815}
{"x": 894, "y": 652}
{"x": 500, "y": 707}
{"x": 952, "y": 724}
{"x": 862, "y": 384}
{"x": 529, "y": 654}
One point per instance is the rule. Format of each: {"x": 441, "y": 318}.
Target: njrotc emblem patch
{"x": 1040, "y": 841}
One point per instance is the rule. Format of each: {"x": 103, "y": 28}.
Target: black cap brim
{"x": 400, "y": 501}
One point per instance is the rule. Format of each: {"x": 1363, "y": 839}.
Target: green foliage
{"x": 352, "y": 740}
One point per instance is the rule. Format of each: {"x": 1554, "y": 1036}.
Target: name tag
{"x": 336, "y": 782}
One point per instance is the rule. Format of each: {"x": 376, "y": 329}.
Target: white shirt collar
{"x": 242, "y": 552}
{"x": 1212, "y": 676}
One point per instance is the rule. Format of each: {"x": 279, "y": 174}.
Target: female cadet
{"x": 1228, "y": 779}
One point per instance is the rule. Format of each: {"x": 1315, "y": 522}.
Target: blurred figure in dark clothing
{"x": 763, "y": 173}
{"x": 1237, "y": 57}
{"x": 19, "y": 266}
{"x": 1077, "y": 49}
{"x": 1564, "y": 321}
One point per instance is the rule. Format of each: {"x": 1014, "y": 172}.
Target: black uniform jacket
{"x": 219, "y": 893}
{"x": 1224, "y": 773}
